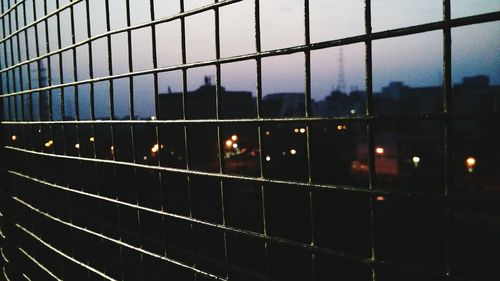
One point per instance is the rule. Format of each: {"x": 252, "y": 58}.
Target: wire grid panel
{"x": 107, "y": 177}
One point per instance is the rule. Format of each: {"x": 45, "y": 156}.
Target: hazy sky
{"x": 416, "y": 60}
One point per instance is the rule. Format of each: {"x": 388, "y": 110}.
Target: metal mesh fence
{"x": 87, "y": 193}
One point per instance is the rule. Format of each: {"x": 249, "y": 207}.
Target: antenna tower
{"x": 341, "y": 87}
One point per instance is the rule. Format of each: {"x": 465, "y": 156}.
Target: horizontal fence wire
{"x": 484, "y": 18}
{"x": 301, "y": 185}
{"x": 42, "y": 187}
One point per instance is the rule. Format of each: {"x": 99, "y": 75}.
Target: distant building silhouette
{"x": 201, "y": 103}
{"x": 340, "y": 104}
{"x": 398, "y": 98}
{"x": 476, "y": 94}
{"x": 283, "y": 104}
{"x": 473, "y": 94}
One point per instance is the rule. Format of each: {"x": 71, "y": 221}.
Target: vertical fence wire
{"x": 20, "y": 68}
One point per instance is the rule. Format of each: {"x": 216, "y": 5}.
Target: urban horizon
{"x": 146, "y": 108}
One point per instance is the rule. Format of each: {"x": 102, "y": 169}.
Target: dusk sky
{"x": 227, "y": 140}
{"x": 415, "y": 60}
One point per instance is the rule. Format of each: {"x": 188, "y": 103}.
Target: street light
{"x": 416, "y": 161}
{"x": 49, "y": 143}
{"x": 470, "y": 163}
{"x": 155, "y": 148}
{"x": 379, "y": 150}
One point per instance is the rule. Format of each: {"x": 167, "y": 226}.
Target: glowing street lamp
{"x": 379, "y": 150}
{"x": 13, "y": 137}
{"x": 49, "y": 143}
{"x": 293, "y": 151}
{"x": 229, "y": 143}
{"x": 416, "y": 161}
{"x": 155, "y": 148}
{"x": 341, "y": 127}
{"x": 234, "y": 137}
{"x": 470, "y": 163}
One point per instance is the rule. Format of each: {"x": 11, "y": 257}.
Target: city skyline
{"x": 415, "y": 59}
{"x": 145, "y": 109}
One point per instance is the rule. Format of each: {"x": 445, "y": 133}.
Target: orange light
{"x": 234, "y": 137}
{"x": 470, "y": 162}
{"x": 49, "y": 143}
{"x": 293, "y": 151}
{"x": 13, "y": 138}
{"x": 155, "y": 148}
{"x": 229, "y": 143}
{"x": 268, "y": 133}
{"x": 296, "y": 130}
{"x": 341, "y": 127}
{"x": 380, "y": 198}
{"x": 379, "y": 150}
